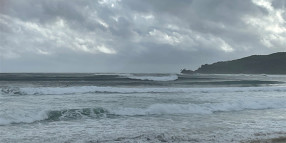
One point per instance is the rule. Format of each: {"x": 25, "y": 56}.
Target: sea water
{"x": 87, "y": 108}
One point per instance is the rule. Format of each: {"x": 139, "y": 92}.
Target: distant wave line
{"x": 109, "y": 89}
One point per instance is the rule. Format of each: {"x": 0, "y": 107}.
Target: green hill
{"x": 256, "y": 64}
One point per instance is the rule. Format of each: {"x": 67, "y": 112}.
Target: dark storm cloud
{"x": 133, "y": 35}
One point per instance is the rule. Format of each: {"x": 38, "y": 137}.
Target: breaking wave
{"x": 153, "y": 78}
{"x": 107, "y": 89}
{"x": 20, "y": 116}
{"x": 76, "y": 113}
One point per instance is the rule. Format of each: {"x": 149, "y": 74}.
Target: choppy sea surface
{"x": 105, "y": 107}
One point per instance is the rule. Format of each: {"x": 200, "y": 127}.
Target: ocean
{"x": 107, "y": 107}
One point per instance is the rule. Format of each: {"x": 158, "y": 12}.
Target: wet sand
{"x": 281, "y": 139}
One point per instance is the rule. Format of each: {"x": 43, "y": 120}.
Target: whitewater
{"x": 125, "y": 107}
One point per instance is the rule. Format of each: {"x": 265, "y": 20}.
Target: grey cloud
{"x": 135, "y": 35}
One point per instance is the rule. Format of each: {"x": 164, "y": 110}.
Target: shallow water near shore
{"x": 141, "y": 107}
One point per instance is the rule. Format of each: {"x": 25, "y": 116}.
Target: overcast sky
{"x": 135, "y": 35}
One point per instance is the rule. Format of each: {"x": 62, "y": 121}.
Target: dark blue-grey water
{"x": 140, "y": 107}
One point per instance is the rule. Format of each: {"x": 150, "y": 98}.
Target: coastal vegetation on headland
{"x": 256, "y": 64}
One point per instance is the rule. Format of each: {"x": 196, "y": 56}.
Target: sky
{"x": 135, "y": 36}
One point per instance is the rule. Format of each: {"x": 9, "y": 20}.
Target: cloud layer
{"x": 135, "y": 35}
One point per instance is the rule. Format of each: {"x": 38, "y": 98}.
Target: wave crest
{"x": 107, "y": 89}
{"x": 21, "y": 116}
{"x": 171, "y": 77}
{"x": 75, "y": 114}
{"x": 11, "y": 91}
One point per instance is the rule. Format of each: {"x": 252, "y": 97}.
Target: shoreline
{"x": 280, "y": 139}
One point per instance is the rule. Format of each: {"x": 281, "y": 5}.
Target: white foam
{"x": 16, "y": 115}
{"x": 206, "y": 108}
{"x": 21, "y": 116}
{"x": 153, "y": 78}
{"x": 107, "y": 89}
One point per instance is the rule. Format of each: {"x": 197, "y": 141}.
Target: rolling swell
{"x": 57, "y": 77}
{"x": 132, "y": 80}
{"x": 85, "y": 77}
